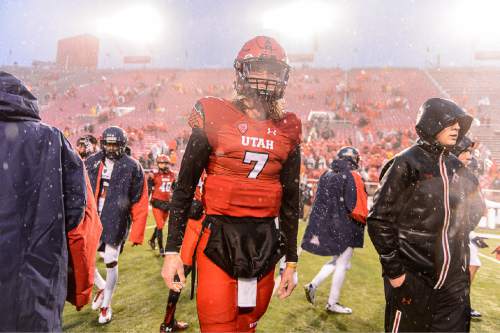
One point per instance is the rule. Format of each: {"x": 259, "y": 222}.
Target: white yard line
{"x": 489, "y": 258}
{"x": 492, "y": 236}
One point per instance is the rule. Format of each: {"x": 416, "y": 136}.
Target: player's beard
{"x": 275, "y": 109}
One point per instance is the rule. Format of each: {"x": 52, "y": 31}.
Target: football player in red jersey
{"x": 249, "y": 148}
{"x": 161, "y": 184}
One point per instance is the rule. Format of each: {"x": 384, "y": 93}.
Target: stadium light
{"x": 301, "y": 19}
{"x": 141, "y": 24}
{"x": 477, "y": 19}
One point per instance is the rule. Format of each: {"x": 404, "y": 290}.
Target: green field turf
{"x": 139, "y": 301}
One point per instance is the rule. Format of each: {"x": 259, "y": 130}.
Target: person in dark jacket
{"x": 463, "y": 151}
{"x": 418, "y": 225}
{"x": 121, "y": 194}
{"x": 337, "y": 224}
{"x": 47, "y": 218}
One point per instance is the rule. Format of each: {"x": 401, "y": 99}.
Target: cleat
{"x": 105, "y": 315}
{"x": 162, "y": 252}
{"x": 338, "y": 308}
{"x": 97, "y": 301}
{"x": 152, "y": 243}
{"x": 475, "y": 314}
{"x": 177, "y": 326}
{"x": 310, "y": 293}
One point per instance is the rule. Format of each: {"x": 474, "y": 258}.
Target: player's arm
{"x": 383, "y": 217}
{"x": 289, "y": 219}
{"x": 289, "y": 211}
{"x": 151, "y": 184}
{"x": 193, "y": 163}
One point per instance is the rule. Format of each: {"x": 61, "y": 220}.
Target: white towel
{"x": 247, "y": 292}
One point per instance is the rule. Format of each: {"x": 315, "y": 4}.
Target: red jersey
{"x": 243, "y": 171}
{"x": 162, "y": 185}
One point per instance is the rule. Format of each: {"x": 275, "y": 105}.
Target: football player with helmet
{"x": 337, "y": 224}
{"x": 161, "y": 184}
{"x": 121, "y": 193}
{"x": 86, "y": 146}
{"x": 249, "y": 147}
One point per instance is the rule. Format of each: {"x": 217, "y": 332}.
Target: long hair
{"x": 275, "y": 109}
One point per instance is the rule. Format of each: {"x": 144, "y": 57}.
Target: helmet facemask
{"x": 113, "y": 149}
{"x": 263, "y": 78}
{"x": 163, "y": 166}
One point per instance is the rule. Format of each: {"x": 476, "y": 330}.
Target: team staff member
{"x": 121, "y": 193}
{"x": 49, "y": 227}
{"x": 419, "y": 226}
{"x": 249, "y": 148}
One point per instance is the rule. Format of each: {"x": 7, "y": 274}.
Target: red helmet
{"x": 162, "y": 158}
{"x": 262, "y": 55}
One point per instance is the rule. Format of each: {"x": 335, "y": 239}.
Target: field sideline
{"x": 139, "y": 301}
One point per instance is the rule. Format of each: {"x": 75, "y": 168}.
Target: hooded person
{"x": 336, "y": 225}
{"x": 476, "y": 206}
{"x": 121, "y": 194}
{"x": 419, "y": 227}
{"x": 49, "y": 227}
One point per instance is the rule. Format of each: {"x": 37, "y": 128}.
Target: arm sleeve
{"x": 151, "y": 184}
{"x": 193, "y": 163}
{"x": 289, "y": 211}
{"x": 382, "y": 220}
{"x": 140, "y": 206}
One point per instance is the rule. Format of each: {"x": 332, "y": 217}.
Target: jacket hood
{"x": 16, "y": 101}
{"x": 436, "y": 114}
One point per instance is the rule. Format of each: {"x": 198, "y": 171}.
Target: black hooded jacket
{"x": 419, "y": 220}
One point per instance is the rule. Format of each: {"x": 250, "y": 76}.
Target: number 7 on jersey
{"x": 259, "y": 158}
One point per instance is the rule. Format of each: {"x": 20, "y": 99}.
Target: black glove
{"x": 479, "y": 242}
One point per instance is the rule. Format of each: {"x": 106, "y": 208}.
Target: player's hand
{"x": 397, "y": 282}
{"x": 172, "y": 265}
{"x": 287, "y": 283}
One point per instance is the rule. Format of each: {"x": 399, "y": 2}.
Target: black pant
{"x": 416, "y": 307}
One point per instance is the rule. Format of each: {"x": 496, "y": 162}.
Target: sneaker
{"x": 152, "y": 243}
{"x": 177, "y": 326}
{"x": 97, "y": 301}
{"x": 105, "y": 315}
{"x": 475, "y": 314}
{"x": 338, "y": 308}
{"x": 162, "y": 252}
{"x": 310, "y": 293}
